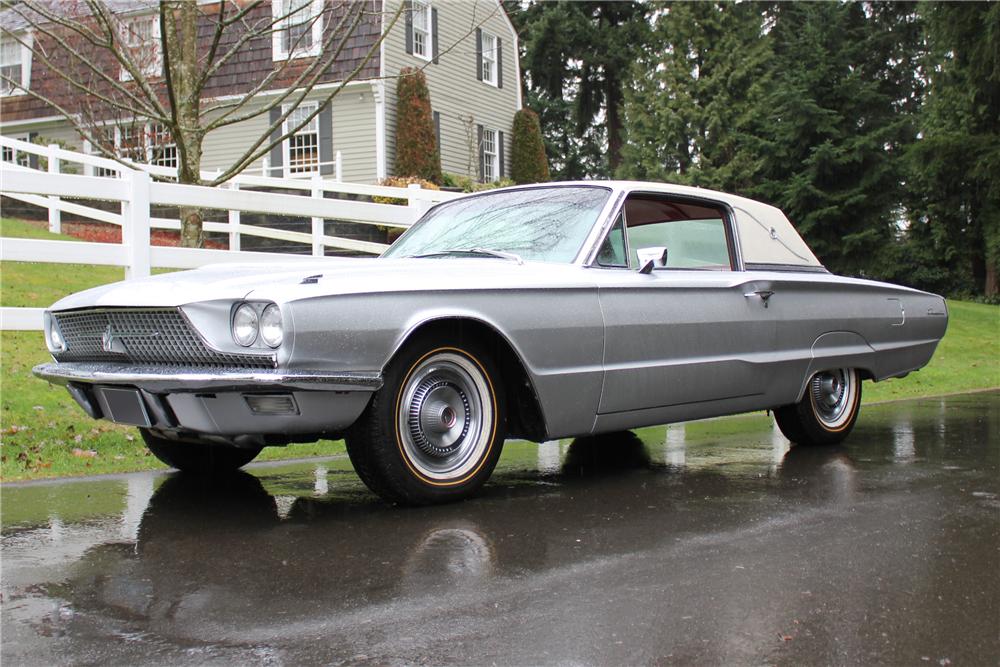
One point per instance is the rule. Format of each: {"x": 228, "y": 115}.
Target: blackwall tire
{"x": 198, "y": 457}
{"x": 828, "y": 410}
{"x": 434, "y": 431}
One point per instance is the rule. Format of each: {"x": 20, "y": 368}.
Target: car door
{"x": 694, "y": 332}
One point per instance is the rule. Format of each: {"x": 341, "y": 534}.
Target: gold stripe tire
{"x": 433, "y": 432}
{"x": 827, "y": 412}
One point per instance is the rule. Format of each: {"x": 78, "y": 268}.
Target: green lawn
{"x": 45, "y": 434}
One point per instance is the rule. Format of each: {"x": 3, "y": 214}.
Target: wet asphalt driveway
{"x": 694, "y": 544}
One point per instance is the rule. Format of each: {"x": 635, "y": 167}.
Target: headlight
{"x": 270, "y": 326}
{"x": 245, "y": 325}
{"x": 53, "y": 337}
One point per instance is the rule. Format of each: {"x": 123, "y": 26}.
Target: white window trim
{"x": 25, "y": 43}
{"x": 286, "y": 166}
{"x": 149, "y": 149}
{"x": 429, "y": 42}
{"x": 493, "y": 159}
{"x": 492, "y": 81}
{"x": 278, "y": 53}
{"x": 153, "y": 68}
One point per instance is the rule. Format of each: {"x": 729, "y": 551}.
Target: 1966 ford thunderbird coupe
{"x": 536, "y": 312}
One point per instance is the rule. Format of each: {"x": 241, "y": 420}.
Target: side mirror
{"x": 651, "y": 258}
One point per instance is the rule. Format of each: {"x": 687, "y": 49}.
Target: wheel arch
{"x": 839, "y": 349}
{"x": 525, "y": 416}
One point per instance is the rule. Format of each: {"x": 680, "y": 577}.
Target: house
{"x": 467, "y": 49}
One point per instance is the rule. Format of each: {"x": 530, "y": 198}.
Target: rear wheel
{"x": 434, "y": 432}
{"x": 198, "y": 457}
{"x": 827, "y": 412}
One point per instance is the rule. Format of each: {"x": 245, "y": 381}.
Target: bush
{"x": 528, "y": 163}
{"x": 466, "y": 184}
{"x": 402, "y": 182}
{"x": 416, "y": 140}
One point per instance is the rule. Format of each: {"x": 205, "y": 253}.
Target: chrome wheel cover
{"x": 445, "y": 416}
{"x": 833, "y": 393}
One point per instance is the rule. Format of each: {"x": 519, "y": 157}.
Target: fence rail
{"x": 135, "y": 191}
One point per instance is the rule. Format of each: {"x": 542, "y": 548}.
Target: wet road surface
{"x": 704, "y": 543}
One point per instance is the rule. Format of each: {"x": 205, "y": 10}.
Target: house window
{"x": 491, "y": 156}
{"x": 422, "y": 29}
{"x": 15, "y": 66}
{"x": 489, "y": 58}
{"x": 148, "y": 143}
{"x": 162, "y": 148}
{"x": 301, "y": 150}
{"x": 15, "y": 156}
{"x": 299, "y": 30}
{"x": 141, "y": 37}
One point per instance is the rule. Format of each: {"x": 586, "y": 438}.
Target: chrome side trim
{"x": 187, "y": 379}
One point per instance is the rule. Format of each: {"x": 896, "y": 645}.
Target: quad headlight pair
{"x": 256, "y": 320}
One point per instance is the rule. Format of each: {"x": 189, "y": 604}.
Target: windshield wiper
{"x": 474, "y": 252}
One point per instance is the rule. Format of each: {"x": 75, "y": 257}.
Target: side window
{"x": 693, "y": 232}
{"x": 612, "y": 252}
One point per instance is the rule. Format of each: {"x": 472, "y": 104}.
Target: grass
{"x": 45, "y": 434}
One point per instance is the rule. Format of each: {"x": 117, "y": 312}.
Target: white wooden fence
{"x": 135, "y": 190}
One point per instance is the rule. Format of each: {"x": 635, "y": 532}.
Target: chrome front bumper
{"x": 218, "y": 403}
{"x": 184, "y": 379}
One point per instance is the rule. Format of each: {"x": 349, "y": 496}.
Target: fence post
{"x": 317, "y": 223}
{"x": 418, "y": 204}
{"x": 234, "y": 222}
{"x": 55, "y": 215}
{"x": 135, "y": 224}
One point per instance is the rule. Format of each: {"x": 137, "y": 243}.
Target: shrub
{"x": 401, "y": 182}
{"x": 528, "y": 163}
{"x": 466, "y": 184}
{"x": 416, "y": 139}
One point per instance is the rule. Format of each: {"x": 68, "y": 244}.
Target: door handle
{"x": 764, "y": 295}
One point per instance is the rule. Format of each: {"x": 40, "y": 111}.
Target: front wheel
{"x": 434, "y": 432}
{"x": 198, "y": 457}
{"x": 827, "y": 412}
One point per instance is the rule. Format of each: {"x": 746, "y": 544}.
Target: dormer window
{"x": 141, "y": 38}
{"x": 298, "y": 29}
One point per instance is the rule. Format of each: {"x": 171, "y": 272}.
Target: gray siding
{"x": 455, "y": 91}
{"x": 353, "y": 120}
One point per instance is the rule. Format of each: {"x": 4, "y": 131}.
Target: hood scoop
{"x": 311, "y": 280}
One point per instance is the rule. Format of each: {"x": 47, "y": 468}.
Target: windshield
{"x": 541, "y": 224}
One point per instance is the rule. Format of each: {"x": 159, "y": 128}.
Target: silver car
{"x": 536, "y": 312}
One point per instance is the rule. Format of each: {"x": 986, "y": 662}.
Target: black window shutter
{"x": 479, "y": 57}
{"x": 408, "y": 20}
{"x": 32, "y": 158}
{"x": 326, "y": 140}
{"x": 434, "y": 33}
{"x": 437, "y": 129}
{"x": 500, "y": 151}
{"x": 276, "y": 165}
{"x": 499, "y": 57}
{"x": 482, "y": 160}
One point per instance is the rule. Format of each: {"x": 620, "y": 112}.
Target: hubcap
{"x": 445, "y": 416}
{"x": 832, "y": 393}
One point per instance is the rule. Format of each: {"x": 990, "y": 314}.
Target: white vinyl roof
{"x": 765, "y": 235}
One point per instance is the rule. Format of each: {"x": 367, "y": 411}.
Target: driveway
{"x": 694, "y": 544}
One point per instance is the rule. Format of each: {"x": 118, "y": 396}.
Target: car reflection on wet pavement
{"x": 705, "y": 543}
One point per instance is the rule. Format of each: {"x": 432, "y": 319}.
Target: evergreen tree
{"x": 417, "y": 152}
{"x": 576, "y": 58}
{"x": 527, "y": 154}
{"x": 954, "y": 167}
{"x": 833, "y": 125}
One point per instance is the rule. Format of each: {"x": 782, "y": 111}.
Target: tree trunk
{"x": 990, "y": 286}
{"x": 181, "y": 38}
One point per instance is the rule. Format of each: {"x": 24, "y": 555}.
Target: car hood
{"x": 289, "y": 281}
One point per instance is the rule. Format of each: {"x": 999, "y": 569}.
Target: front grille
{"x": 160, "y": 336}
